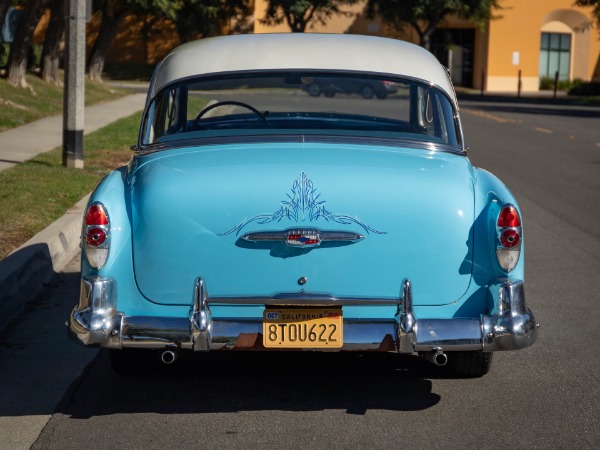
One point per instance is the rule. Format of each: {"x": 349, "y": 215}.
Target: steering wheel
{"x": 233, "y": 103}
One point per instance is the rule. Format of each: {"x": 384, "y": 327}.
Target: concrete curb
{"x": 24, "y": 272}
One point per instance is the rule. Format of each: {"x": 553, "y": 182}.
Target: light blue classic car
{"x": 254, "y": 215}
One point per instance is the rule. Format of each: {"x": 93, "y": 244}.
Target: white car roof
{"x": 300, "y": 51}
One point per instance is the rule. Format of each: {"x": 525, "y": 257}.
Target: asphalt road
{"x": 546, "y": 396}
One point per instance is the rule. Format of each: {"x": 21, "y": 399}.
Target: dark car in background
{"x": 329, "y": 86}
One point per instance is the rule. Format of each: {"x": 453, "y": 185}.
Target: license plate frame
{"x": 308, "y": 328}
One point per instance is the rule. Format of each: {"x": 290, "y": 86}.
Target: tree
{"x": 593, "y": 3}
{"x": 17, "y": 65}
{"x": 299, "y": 14}
{"x": 424, "y": 16}
{"x": 193, "y": 19}
{"x": 112, "y": 12}
{"x": 51, "y": 50}
{"x": 4, "y": 5}
{"x": 202, "y": 18}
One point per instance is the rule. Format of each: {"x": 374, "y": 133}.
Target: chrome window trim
{"x": 302, "y": 138}
{"x": 142, "y": 148}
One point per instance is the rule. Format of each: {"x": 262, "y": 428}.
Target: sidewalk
{"x": 24, "y": 272}
{"x": 23, "y": 143}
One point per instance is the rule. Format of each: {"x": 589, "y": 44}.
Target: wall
{"x": 519, "y": 31}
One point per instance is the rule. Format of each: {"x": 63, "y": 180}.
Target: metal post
{"x": 519, "y": 85}
{"x": 555, "y": 83}
{"x": 482, "y": 81}
{"x": 74, "y": 91}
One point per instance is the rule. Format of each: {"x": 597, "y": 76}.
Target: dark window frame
{"x": 558, "y": 44}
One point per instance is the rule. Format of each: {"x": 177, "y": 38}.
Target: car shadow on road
{"x": 252, "y": 381}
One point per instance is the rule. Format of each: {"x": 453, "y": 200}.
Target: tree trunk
{"x": 51, "y": 51}
{"x": 17, "y": 65}
{"x": 182, "y": 24}
{"x": 4, "y": 4}
{"x": 111, "y": 18}
{"x": 296, "y": 24}
{"x": 425, "y": 42}
{"x": 425, "y": 33}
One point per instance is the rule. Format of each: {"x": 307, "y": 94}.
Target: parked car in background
{"x": 329, "y": 86}
{"x": 254, "y": 215}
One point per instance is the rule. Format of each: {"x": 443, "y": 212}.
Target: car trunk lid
{"x": 194, "y": 208}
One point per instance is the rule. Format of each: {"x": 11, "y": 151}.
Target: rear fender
{"x": 112, "y": 192}
{"x": 490, "y": 196}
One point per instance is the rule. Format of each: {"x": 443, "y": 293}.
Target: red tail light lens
{"x": 96, "y": 215}
{"x": 96, "y": 235}
{"x": 509, "y": 234}
{"x": 509, "y": 217}
{"x": 510, "y": 238}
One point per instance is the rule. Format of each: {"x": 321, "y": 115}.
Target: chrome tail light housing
{"x": 509, "y": 236}
{"x": 96, "y": 235}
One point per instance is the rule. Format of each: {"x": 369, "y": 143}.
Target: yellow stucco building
{"x": 535, "y": 38}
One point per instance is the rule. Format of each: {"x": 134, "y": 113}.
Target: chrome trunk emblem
{"x": 303, "y": 238}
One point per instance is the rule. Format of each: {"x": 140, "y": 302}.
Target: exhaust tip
{"x": 168, "y": 357}
{"x": 440, "y": 359}
{"x": 436, "y": 356}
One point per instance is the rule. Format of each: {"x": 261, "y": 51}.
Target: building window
{"x": 555, "y": 55}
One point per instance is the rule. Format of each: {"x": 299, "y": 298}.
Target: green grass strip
{"x": 19, "y": 106}
{"x": 35, "y": 193}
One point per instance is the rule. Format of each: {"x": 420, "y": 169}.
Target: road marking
{"x": 543, "y": 130}
{"x": 486, "y": 115}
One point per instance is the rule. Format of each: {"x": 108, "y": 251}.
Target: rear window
{"x": 308, "y": 103}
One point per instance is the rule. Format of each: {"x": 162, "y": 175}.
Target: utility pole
{"x": 74, "y": 90}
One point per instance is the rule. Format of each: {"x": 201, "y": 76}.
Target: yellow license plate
{"x": 303, "y": 328}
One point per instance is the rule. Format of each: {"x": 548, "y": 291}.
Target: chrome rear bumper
{"x": 96, "y": 322}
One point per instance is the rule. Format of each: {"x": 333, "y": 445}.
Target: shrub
{"x": 128, "y": 71}
{"x": 547, "y": 83}
{"x": 34, "y": 59}
{"x": 4, "y": 50}
{"x": 592, "y": 89}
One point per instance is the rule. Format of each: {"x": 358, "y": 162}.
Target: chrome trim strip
{"x": 314, "y": 233}
{"x": 300, "y": 299}
{"x": 301, "y": 138}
